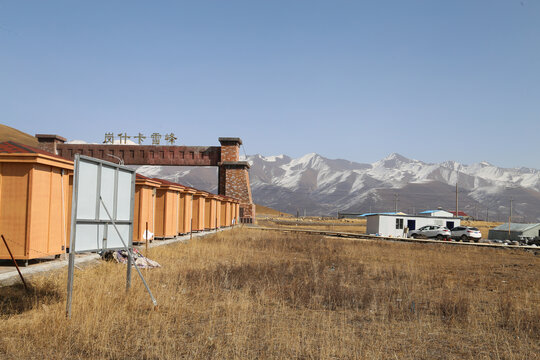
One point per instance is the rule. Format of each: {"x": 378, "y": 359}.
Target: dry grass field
{"x": 264, "y": 211}
{"x": 340, "y": 225}
{"x": 250, "y": 294}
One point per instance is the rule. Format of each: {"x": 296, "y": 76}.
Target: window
{"x": 399, "y": 223}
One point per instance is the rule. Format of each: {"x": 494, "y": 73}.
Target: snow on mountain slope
{"x": 324, "y": 186}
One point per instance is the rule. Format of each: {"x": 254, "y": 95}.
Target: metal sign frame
{"x": 93, "y": 180}
{"x": 91, "y": 218}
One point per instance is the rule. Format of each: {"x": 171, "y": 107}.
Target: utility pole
{"x": 457, "y": 211}
{"x": 510, "y": 218}
{"x": 396, "y": 199}
{"x": 487, "y": 214}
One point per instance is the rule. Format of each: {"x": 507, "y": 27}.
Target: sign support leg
{"x": 15, "y": 262}
{"x": 71, "y": 269}
{"x": 130, "y": 255}
{"x": 128, "y": 275}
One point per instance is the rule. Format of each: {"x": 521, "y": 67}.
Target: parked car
{"x": 466, "y": 233}
{"x": 431, "y": 231}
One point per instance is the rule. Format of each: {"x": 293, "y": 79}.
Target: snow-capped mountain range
{"x": 320, "y": 186}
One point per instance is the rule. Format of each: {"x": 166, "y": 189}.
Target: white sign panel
{"x": 103, "y": 201}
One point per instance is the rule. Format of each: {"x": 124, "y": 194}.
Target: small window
{"x": 399, "y": 223}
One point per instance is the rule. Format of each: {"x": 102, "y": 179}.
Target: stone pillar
{"x": 234, "y": 178}
{"x": 48, "y": 142}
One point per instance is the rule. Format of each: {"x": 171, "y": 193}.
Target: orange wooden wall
{"x": 185, "y": 213}
{"x": 198, "y": 212}
{"x": 34, "y": 209}
{"x": 166, "y": 212}
{"x": 145, "y": 201}
{"x": 207, "y": 213}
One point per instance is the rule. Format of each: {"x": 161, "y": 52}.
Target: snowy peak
{"x": 269, "y": 159}
{"x": 277, "y": 158}
{"x": 392, "y": 161}
{"x": 397, "y": 157}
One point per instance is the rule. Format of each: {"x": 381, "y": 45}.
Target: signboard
{"x": 101, "y": 187}
{"x": 102, "y": 214}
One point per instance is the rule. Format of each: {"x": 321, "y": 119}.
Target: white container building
{"x": 399, "y": 225}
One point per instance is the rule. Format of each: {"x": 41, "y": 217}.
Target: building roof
{"x": 143, "y": 180}
{"x": 434, "y": 211}
{"x": 516, "y": 227}
{"x": 197, "y": 192}
{"x": 402, "y": 215}
{"x": 11, "y": 148}
{"x": 460, "y": 213}
{"x": 168, "y": 184}
{"x": 384, "y": 213}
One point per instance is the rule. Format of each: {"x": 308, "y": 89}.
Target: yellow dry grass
{"x": 264, "y": 211}
{"x": 315, "y": 223}
{"x": 8, "y": 133}
{"x": 246, "y": 294}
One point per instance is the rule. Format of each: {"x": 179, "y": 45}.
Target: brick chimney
{"x": 48, "y": 142}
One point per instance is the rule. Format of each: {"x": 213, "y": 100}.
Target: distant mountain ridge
{"x": 321, "y": 186}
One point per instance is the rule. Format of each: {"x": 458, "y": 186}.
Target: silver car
{"x": 466, "y": 233}
{"x": 431, "y": 231}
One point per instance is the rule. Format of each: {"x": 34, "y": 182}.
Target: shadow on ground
{"x": 16, "y": 299}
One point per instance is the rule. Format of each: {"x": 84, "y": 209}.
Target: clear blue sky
{"x": 432, "y": 80}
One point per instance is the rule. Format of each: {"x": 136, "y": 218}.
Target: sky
{"x": 431, "y": 80}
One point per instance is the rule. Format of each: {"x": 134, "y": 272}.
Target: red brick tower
{"x": 233, "y": 178}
